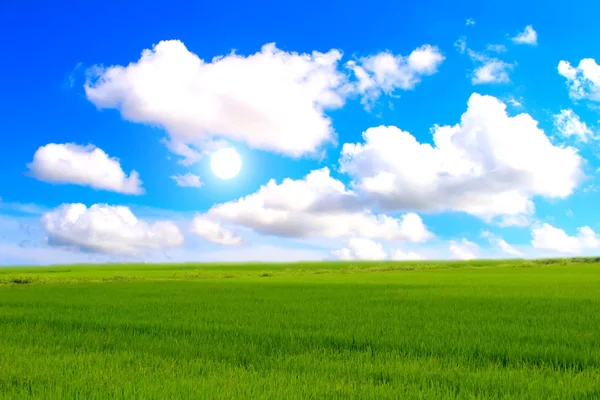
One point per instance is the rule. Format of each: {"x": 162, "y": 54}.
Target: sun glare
{"x": 226, "y": 163}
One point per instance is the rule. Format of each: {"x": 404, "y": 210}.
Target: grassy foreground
{"x": 480, "y": 330}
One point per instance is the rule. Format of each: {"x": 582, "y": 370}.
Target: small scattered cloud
{"x": 583, "y": 81}
{"x": 517, "y": 103}
{"x": 469, "y": 22}
{"x": 490, "y": 69}
{"x": 385, "y": 72}
{"x": 23, "y": 208}
{"x": 461, "y": 44}
{"x": 514, "y": 220}
{"x": 187, "y": 180}
{"x": 569, "y": 124}
{"x": 83, "y": 165}
{"x": 190, "y": 155}
{"x": 528, "y": 36}
{"x": 71, "y": 79}
{"x": 496, "y": 48}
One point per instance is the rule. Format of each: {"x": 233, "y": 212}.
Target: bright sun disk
{"x": 226, "y": 163}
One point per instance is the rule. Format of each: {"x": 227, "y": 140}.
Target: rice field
{"x": 428, "y": 330}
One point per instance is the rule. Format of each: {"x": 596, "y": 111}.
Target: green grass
{"x": 477, "y": 330}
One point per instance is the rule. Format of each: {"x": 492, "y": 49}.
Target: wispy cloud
{"x": 497, "y": 48}
{"x": 187, "y": 180}
{"x": 569, "y": 124}
{"x": 515, "y": 102}
{"x": 490, "y": 69}
{"x": 528, "y": 36}
{"x": 461, "y": 44}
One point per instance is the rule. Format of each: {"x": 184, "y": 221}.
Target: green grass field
{"x": 478, "y": 330}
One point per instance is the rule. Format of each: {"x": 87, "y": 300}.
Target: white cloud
{"x": 13, "y": 254}
{"x": 189, "y": 154}
{"x": 272, "y": 100}
{"x": 72, "y": 77}
{"x": 316, "y": 206}
{"x": 214, "y": 232}
{"x": 366, "y": 249}
{"x": 501, "y": 244}
{"x": 461, "y": 44}
{"x": 514, "y": 220}
{"x": 23, "y": 208}
{"x": 361, "y": 249}
{"x": 490, "y": 69}
{"x": 568, "y": 124}
{"x": 463, "y": 249}
{"x": 490, "y": 164}
{"x": 507, "y": 248}
{"x": 548, "y": 237}
{"x": 23, "y": 242}
{"x": 107, "y": 229}
{"x": 528, "y": 36}
{"x": 470, "y": 21}
{"x": 187, "y": 180}
{"x": 400, "y": 255}
{"x": 514, "y": 102}
{"x": 497, "y": 48}
{"x": 82, "y": 165}
{"x": 584, "y": 80}
{"x": 386, "y": 72}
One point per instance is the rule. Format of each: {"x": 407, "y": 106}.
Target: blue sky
{"x": 510, "y": 91}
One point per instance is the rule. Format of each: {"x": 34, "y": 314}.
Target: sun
{"x": 225, "y": 163}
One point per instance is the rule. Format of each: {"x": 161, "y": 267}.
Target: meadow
{"x": 386, "y": 330}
